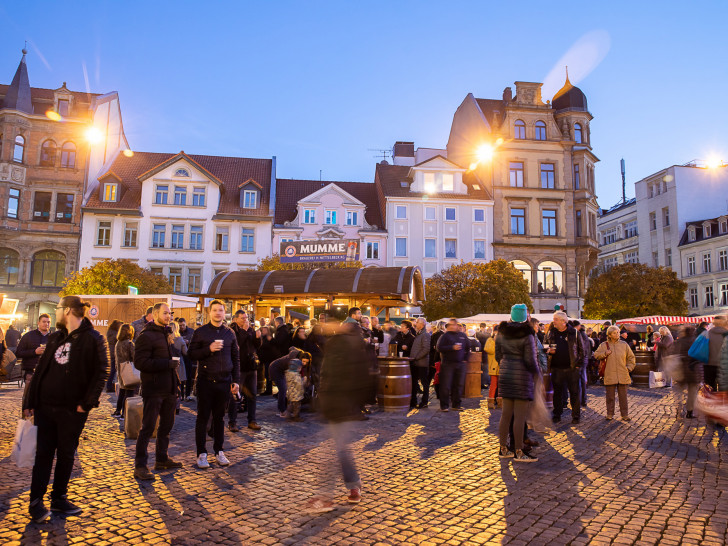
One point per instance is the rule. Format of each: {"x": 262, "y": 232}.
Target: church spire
{"x": 18, "y": 94}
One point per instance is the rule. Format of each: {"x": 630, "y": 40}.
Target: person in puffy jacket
{"x": 620, "y": 361}
{"x": 687, "y": 373}
{"x": 515, "y": 350}
{"x": 67, "y": 384}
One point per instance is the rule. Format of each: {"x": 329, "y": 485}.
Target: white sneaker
{"x": 221, "y": 459}
{"x": 202, "y": 461}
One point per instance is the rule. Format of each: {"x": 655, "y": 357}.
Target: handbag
{"x": 26, "y": 440}
{"x": 700, "y": 349}
{"x": 8, "y": 363}
{"x": 129, "y": 376}
{"x": 603, "y": 363}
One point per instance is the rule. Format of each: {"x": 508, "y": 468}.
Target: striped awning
{"x": 666, "y": 320}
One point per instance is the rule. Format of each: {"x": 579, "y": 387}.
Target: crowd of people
{"x": 325, "y": 366}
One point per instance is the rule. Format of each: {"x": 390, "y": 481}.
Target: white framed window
{"x": 180, "y": 195}
{"x": 161, "y": 193}
{"x": 195, "y": 237}
{"x": 430, "y": 213}
{"x": 518, "y": 221}
{"x": 401, "y": 212}
{"x": 665, "y": 217}
{"x": 110, "y": 193}
{"x": 691, "y": 234}
{"x": 723, "y": 227}
{"x": 693, "y": 297}
{"x": 548, "y": 176}
{"x": 400, "y": 247}
{"x": 429, "y": 180}
{"x": 103, "y": 233}
{"x": 182, "y": 172}
{"x": 178, "y": 236}
{"x": 706, "y": 231}
{"x": 194, "y": 280}
{"x": 13, "y": 202}
{"x": 175, "y": 279}
{"x": 707, "y": 262}
{"x": 222, "y": 238}
{"x": 309, "y": 216}
{"x": 198, "y": 197}
{"x": 724, "y": 293}
{"x": 352, "y": 218}
{"x": 330, "y": 217}
{"x": 430, "y": 248}
{"x": 478, "y": 215}
{"x": 610, "y": 236}
{"x": 610, "y": 262}
{"x": 450, "y": 214}
{"x": 653, "y": 221}
{"x": 540, "y": 130}
{"x": 448, "y": 182}
{"x": 548, "y": 221}
{"x": 372, "y": 250}
{"x": 451, "y": 248}
{"x": 709, "y": 296}
{"x": 515, "y": 174}
{"x": 723, "y": 260}
{"x": 130, "y": 234}
{"x": 668, "y": 257}
{"x": 250, "y": 199}
{"x": 630, "y": 229}
{"x": 247, "y": 240}
{"x": 691, "y": 265}
{"x": 519, "y": 130}
{"x": 479, "y": 249}
{"x": 158, "y": 234}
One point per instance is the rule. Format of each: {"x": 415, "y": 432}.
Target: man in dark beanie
{"x": 67, "y": 383}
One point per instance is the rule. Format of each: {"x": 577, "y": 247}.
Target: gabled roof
{"x": 229, "y": 171}
{"x": 174, "y": 159}
{"x": 389, "y": 179}
{"x": 441, "y": 158}
{"x": 699, "y": 234}
{"x": 289, "y": 192}
{"x": 250, "y": 181}
{"x": 43, "y": 100}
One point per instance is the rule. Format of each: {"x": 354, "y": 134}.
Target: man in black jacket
{"x": 566, "y": 360}
{"x": 215, "y": 347}
{"x": 404, "y": 338}
{"x": 454, "y": 347}
{"x": 282, "y": 337}
{"x": 32, "y": 344}
{"x": 68, "y": 381}
{"x": 160, "y": 385}
{"x": 141, "y": 322}
{"x": 248, "y": 344}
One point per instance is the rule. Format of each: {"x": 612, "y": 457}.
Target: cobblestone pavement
{"x": 429, "y": 478}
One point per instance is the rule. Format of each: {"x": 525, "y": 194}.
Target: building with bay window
{"x": 187, "y": 217}
{"x": 45, "y": 156}
{"x": 618, "y": 235}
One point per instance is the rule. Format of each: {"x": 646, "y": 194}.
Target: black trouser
{"x": 160, "y": 406}
{"x": 249, "y": 389}
{"x": 452, "y": 383}
{"x": 58, "y": 432}
{"x": 420, "y": 376}
{"x": 112, "y": 378}
{"x": 710, "y": 374}
{"x": 561, "y": 379}
{"x": 123, "y": 395}
{"x": 190, "y": 370}
{"x": 212, "y": 399}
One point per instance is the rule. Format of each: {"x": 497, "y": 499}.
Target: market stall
{"x": 666, "y": 320}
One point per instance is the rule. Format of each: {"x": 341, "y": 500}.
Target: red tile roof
{"x": 290, "y": 192}
{"x": 390, "y": 177}
{"x": 43, "y": 98}
{"x": 230, "y": 171}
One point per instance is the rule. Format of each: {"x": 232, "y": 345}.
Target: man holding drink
{"x": 454, "y": 347}
{"x": 32, "y": 345}
{"x": 215, "y": 347}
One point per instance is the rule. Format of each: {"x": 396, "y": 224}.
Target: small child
{"x": 294, "y": 391}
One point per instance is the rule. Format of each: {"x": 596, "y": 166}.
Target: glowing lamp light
{"x": 94, "y": 135}
{"x": 473, "y": 166}
{"x": 485, "y": 153}
{"x": 713, "y": 163}
{"x": 53, "y": 115}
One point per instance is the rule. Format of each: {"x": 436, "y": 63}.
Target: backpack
{"x": 700, "y": 349}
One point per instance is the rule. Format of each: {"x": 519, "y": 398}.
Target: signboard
{"x": 344, "y": 250}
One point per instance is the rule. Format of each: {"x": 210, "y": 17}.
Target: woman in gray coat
{"x": 515, "y": 350}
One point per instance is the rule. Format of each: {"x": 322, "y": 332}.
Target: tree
{"x": 635, "y": 290}
{"x": 114, "y": 277}
{"x": 467, "y": 289}
{"x": 273, "y": 263}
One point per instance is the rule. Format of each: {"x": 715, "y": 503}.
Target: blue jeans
{"x": 452, "y": 383}
{"x": 342, "y": 434}
{"x": 280, "y": 381}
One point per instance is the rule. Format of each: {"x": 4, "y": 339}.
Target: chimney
{"x": 404, "y": 153}
{"x": 508, "y": 94}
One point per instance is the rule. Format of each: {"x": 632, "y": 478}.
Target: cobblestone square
{"x": 429, "y": 478}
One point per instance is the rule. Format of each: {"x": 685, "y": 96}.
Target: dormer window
{"x": 723, "y": 227}
{"x": 706, "y": 231}
{"x": 429, "y": 182}
{"x": 309, "y": 216}
{"x": 691, "y": 233}
{"x": 110, "y": 193}
{"x": 249, "y": 199}
{"x": 448, "y": 182}
{"x": 64, "y": 107}
{"x": 182, "y": 172}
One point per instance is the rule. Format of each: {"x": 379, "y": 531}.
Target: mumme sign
{"x": 345, "y": 250}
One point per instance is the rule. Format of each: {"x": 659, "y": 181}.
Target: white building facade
{"x": 618, "y": 235}
{"x": 186, "y": 217}
{"x": 704, "y": 262}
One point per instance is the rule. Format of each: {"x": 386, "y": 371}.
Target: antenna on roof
{"x": 320, "y": 174}
{"x": 381, "y": 153}
{"x": 624, "y": 192}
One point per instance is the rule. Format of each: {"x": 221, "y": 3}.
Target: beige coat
{"x": 619, "y": 363}
{"x": 493, "y": 367}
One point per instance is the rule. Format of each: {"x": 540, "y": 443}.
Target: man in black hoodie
{"x": 68, "y": 381}
{"x": 215, "y": 347}
{"x": 160, "y": 385}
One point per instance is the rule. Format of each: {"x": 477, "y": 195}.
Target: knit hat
{"x": 295, "y": 365}
{"x": 519, "y": 312}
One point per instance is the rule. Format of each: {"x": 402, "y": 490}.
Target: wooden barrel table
{"x": 395, "y": 383}
{"x": 549, "y": 388}
{"x": 473, "y": 376}
{"x": 645, "y": 364}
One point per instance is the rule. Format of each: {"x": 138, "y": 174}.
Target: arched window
{"x": 577, "y": 133}
{"x": 540, "y": 130}
{"x": 525, "y": 270}
{"x": 48, "y": 153}
{"x": 49, "y": 268}
{"x": 182, "y": 172}
{"x": 19, "y": 150}
{"x": 68, "y": 156}
{"x": 520, "y": 130}
{"x": 550, "y": 278}
{"x": 9, "y": 265}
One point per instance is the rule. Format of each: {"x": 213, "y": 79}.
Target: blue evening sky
{"x": 320, "y": 83}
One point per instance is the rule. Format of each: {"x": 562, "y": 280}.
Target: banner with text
{"x": 345, "y": 250}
